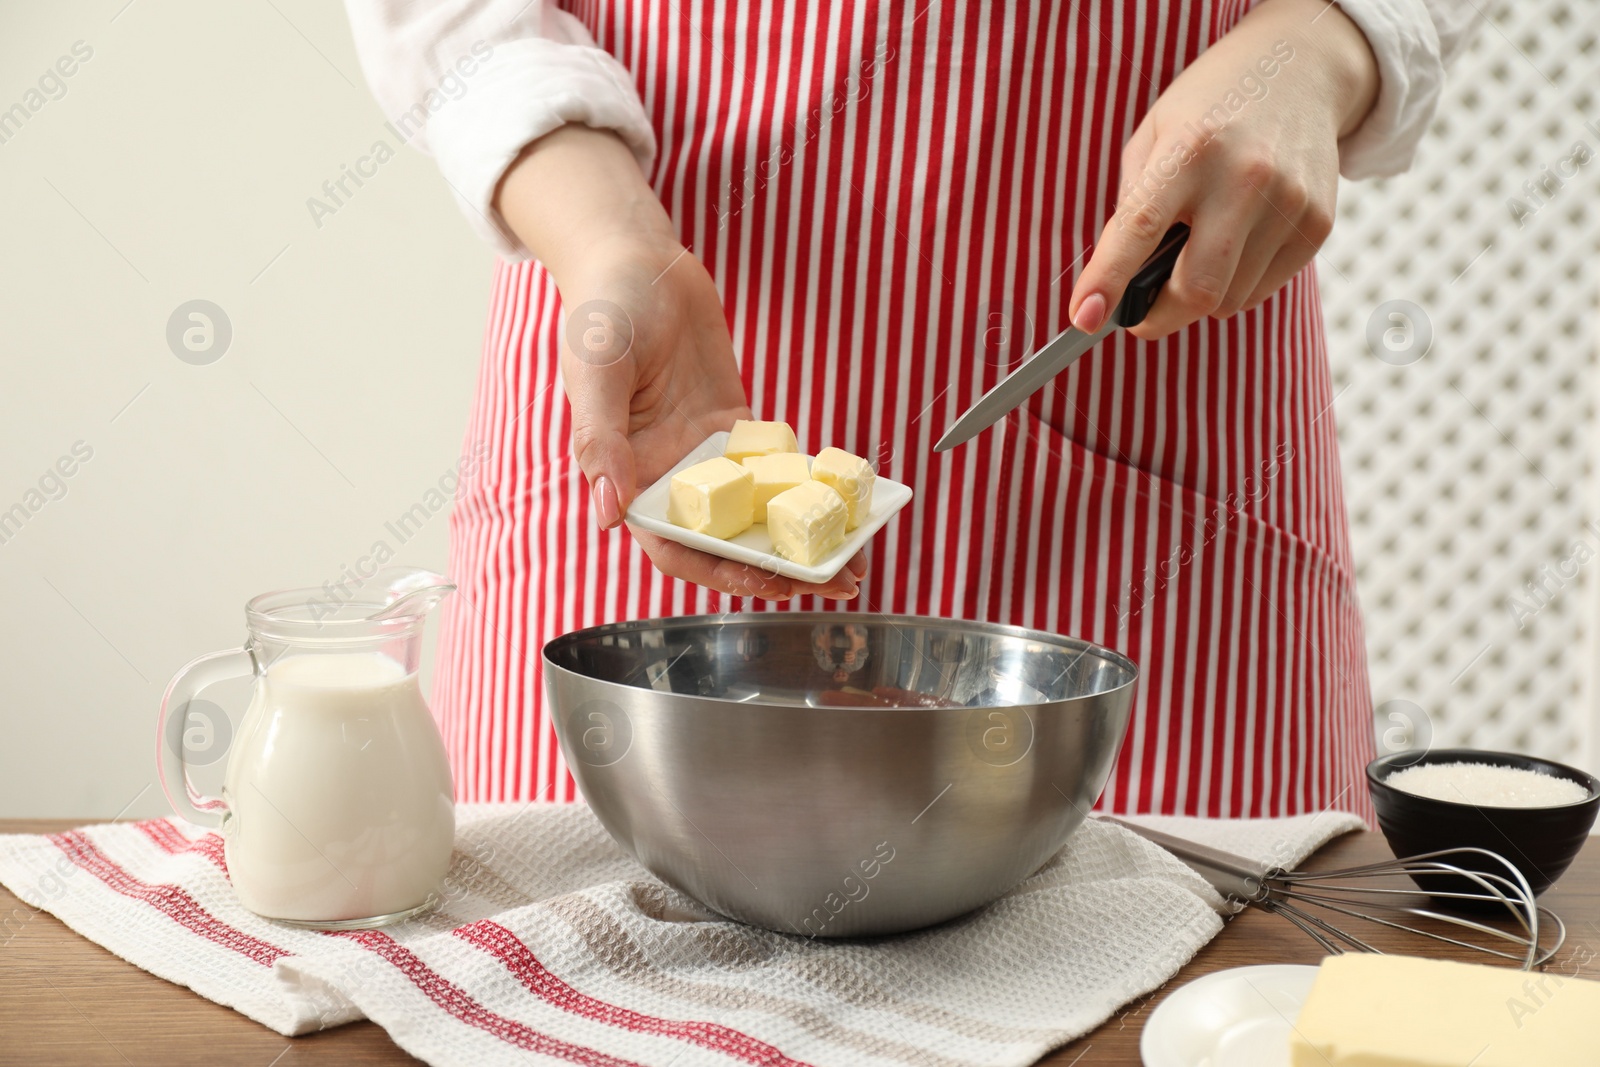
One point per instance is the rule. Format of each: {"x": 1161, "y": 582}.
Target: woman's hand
{"x": 647, "y": 361}
{"x": 1243, "y": 146}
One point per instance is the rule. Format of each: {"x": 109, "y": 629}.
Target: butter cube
{"x": 775, "y": 474}
{"x": 1400, "y": 1011}
{"x": 851, "y": 477}
{"x": 716, "y": 497}
{"x": 759, "y": 439}
{"x": 806, "y": 522}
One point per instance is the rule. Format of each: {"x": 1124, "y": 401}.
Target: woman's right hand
{"x": 646, "y": 356}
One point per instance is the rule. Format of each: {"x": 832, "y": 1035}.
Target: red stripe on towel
{"x": 453, "y": 999}
{"x": 170, "y": 900}
{"x": 505, "y": 946}
{"x": 172, "y": 841}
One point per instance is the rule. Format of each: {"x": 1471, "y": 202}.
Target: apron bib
{"x": 894, "y": 199}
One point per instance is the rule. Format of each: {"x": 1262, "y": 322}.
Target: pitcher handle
{"x": 185, "y": 686}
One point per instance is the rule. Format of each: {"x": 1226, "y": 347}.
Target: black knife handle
{"x": 1146, "y": 285}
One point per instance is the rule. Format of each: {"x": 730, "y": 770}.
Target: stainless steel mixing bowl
{"x": 837, "y": 775}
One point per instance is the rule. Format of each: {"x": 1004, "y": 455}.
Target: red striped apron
{"x": 893, "y": 199}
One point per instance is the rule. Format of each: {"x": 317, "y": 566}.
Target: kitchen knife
{"x": 1014, "y": 389}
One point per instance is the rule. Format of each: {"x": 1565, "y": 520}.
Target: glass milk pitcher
{"x": 337, "y": 810}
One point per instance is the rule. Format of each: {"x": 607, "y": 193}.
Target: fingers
{"x": 1296, "y": 220}
{"x": 713, "y": 572}
{"x": 1203, "y": 274}
{"x": 741, "y": 579}
{"x": 600, "y": 383}
{"x": 1149, "y": 205}
{"x": 1291, "y": 258}
{"x": 845, "y": 585}
{"x": 1259, "y": 251}
{"x": 1256, "y": 218}
{"x": 842, "y": 586}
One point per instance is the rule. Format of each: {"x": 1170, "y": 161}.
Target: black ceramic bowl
{"x": 1539, "y": 842}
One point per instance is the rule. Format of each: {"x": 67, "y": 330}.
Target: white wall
{"x": 177, "y": 166}
{"x": 1469, "y": 467}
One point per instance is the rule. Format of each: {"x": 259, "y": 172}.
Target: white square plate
{"x": 754, "y": 546}
{"x": 1240, "y": 1017}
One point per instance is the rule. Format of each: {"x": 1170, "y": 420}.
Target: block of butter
{"x": 1366, "y": 1010}
{"x": 775, "y": 474}
{"x": 716, "y": 497}
{"x": 806, "y": 522}
{"x": 851, "y": 477}
{"x": 759, "y": 439}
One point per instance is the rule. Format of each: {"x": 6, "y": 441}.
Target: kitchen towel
{"x": 551, "y": 945}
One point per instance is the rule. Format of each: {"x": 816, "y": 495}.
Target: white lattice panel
{"x": 1468, "y": 469}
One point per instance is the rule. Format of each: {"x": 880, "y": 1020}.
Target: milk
{"x": 338, "y": 792}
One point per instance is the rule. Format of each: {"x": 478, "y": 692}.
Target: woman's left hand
{"x": 1244, "y": 147}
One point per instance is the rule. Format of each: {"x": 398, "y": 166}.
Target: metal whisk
{"x": 1367, "y": 893}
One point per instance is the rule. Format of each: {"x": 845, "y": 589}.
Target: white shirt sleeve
{"x": 1413, "y": 40}
{"x": 472, "y": 83}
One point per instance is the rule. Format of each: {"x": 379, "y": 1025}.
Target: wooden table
{"x": 66, "y": 1000}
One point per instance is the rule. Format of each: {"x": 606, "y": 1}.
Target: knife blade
{"x": 1012, "y": 391}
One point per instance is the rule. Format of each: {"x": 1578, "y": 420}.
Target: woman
{"x": 855, "y": 217}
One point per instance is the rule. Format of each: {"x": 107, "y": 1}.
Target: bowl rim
{"x": 745, "y": 618}
{"x": 1380, "y": 768}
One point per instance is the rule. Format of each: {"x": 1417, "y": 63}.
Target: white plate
{"x": 1241, "y": 1017}
{"x": 754, "y": 546}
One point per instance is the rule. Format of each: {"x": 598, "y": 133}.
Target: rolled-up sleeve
{"x": 1413, "y": 41}
{"x": 474, "y": 83}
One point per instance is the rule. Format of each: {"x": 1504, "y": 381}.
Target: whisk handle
{"x": 1232, "y": 876}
